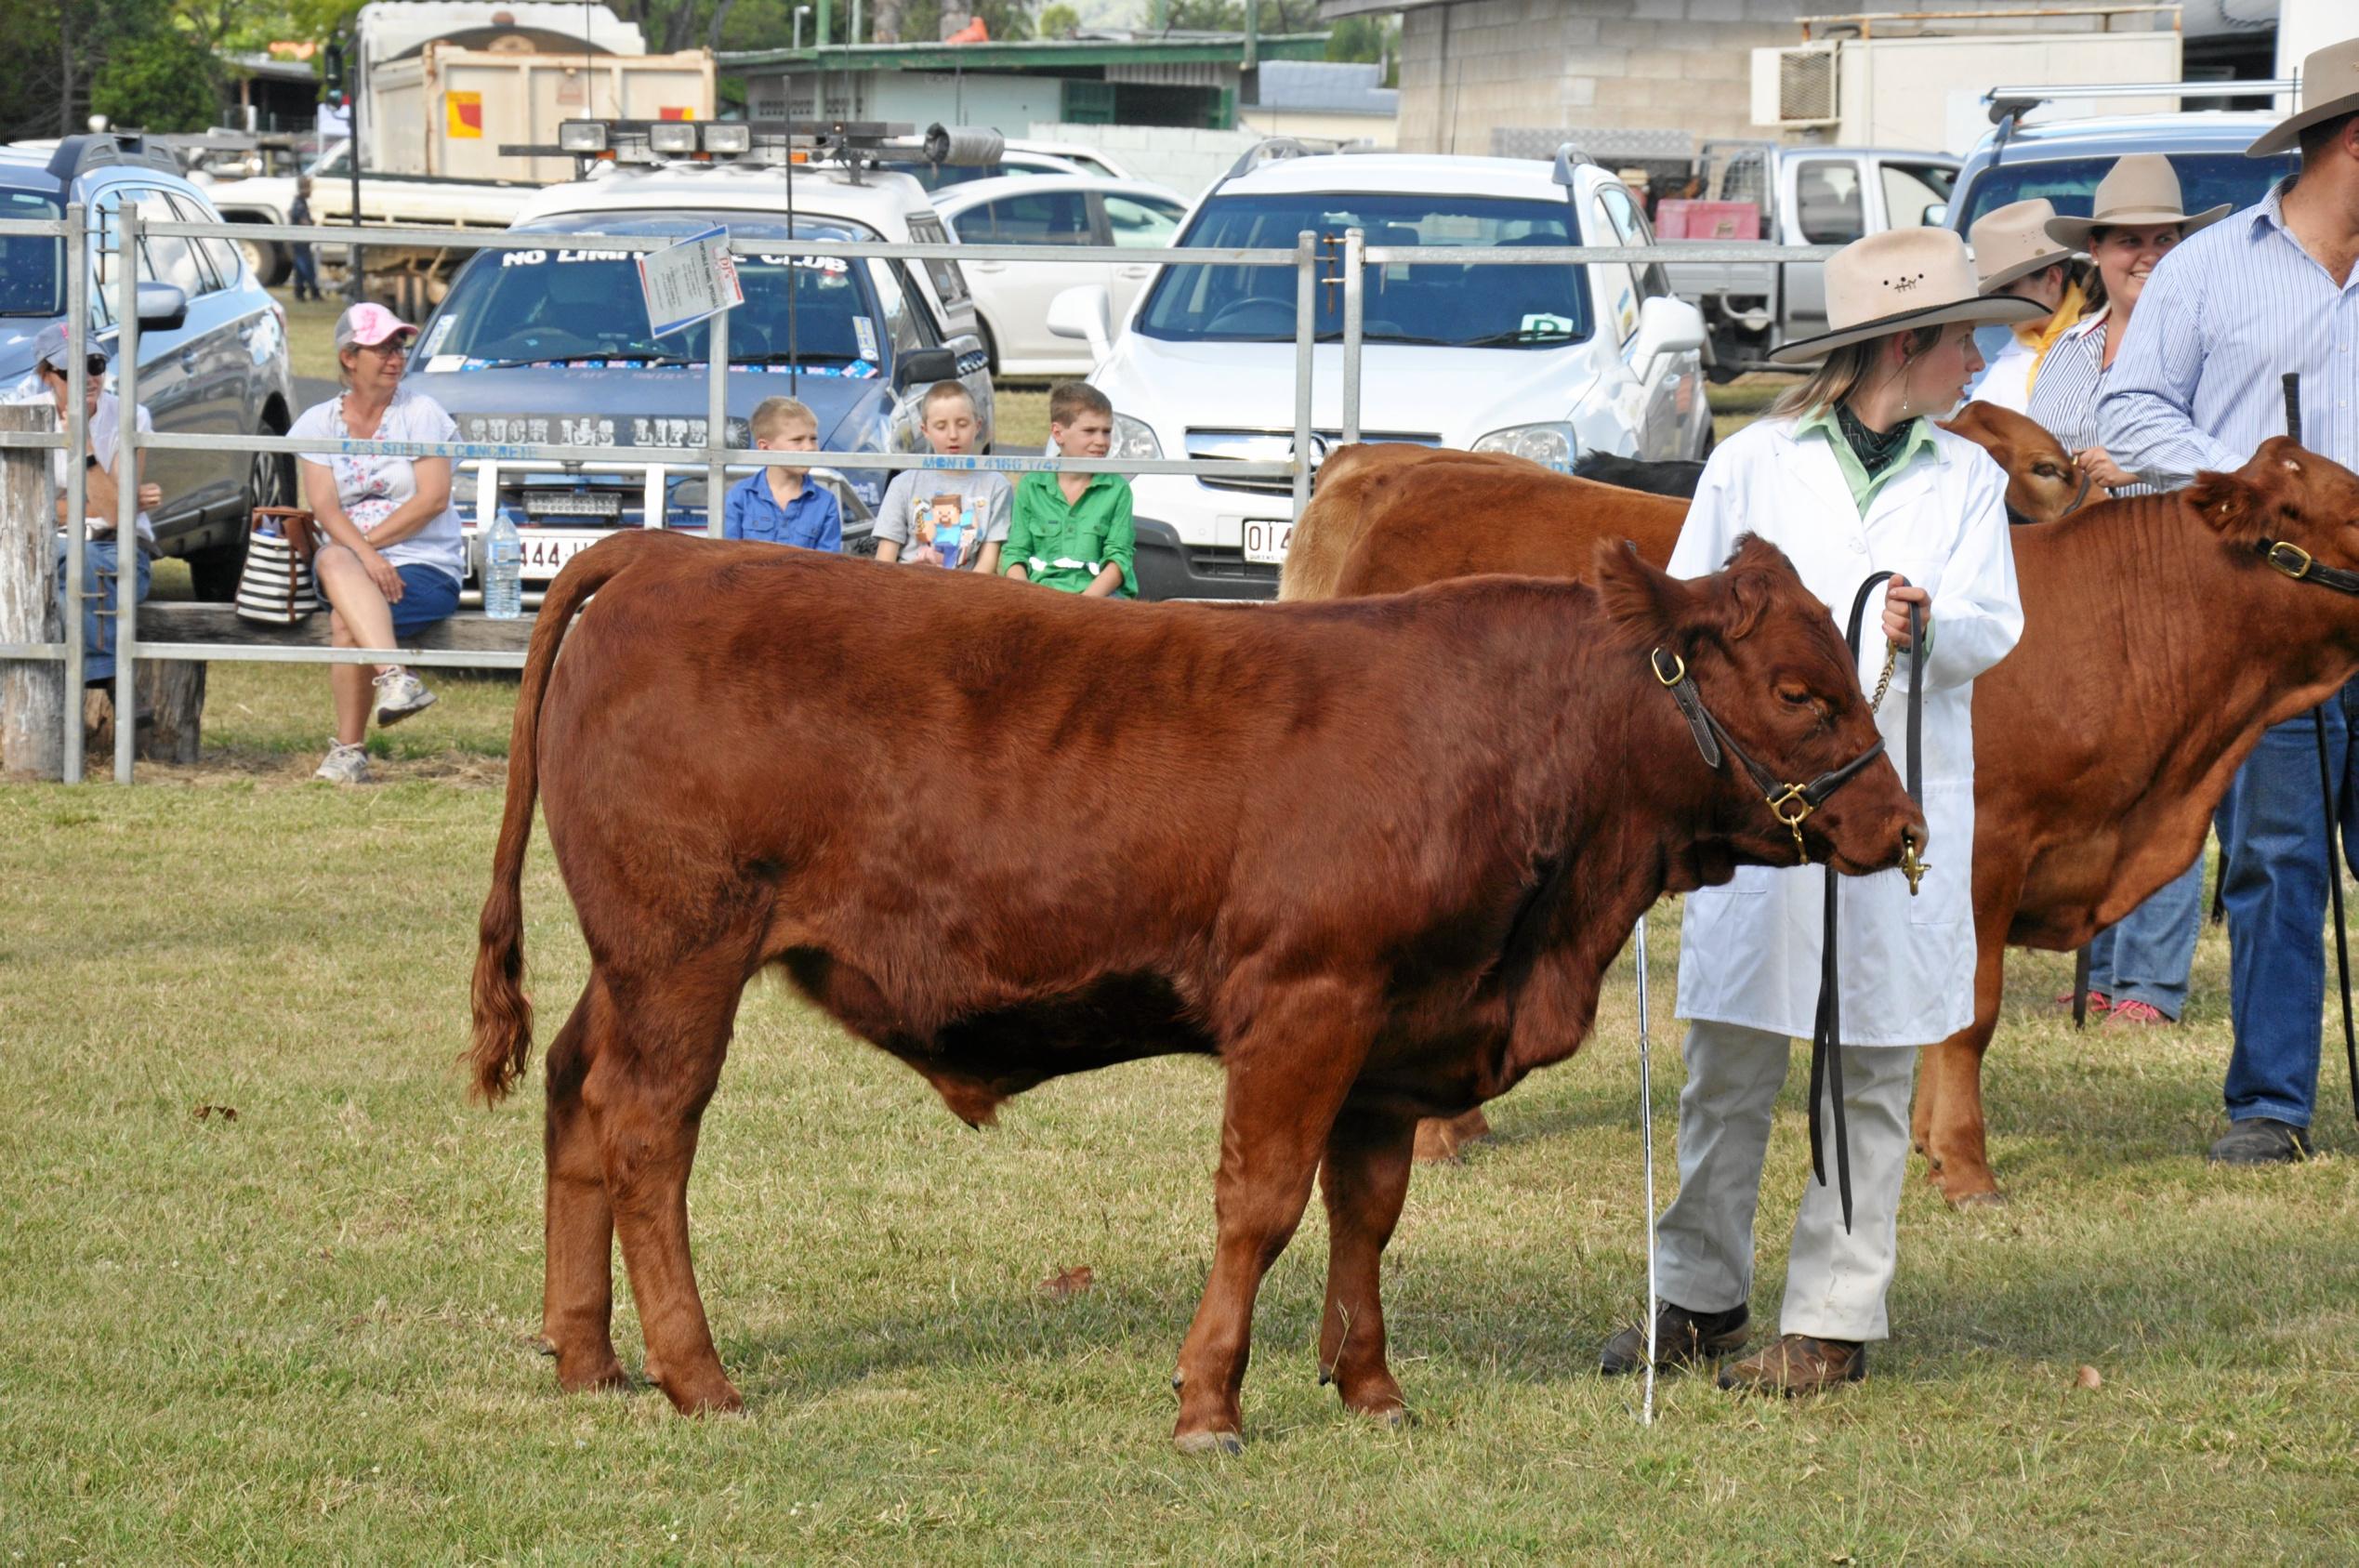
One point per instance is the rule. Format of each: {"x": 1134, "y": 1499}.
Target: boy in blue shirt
{"x": 781, "y": 506}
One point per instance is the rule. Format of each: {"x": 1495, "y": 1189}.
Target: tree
{"x": 159, "y": 79}
{"x": 1060, "y": 21}
{"x": 1370, "y": 39}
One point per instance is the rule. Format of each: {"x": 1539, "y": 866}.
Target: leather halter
{"x": 1789, "y": 803}
{"x": 2297, "y": 564}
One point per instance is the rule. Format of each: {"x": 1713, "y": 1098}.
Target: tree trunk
{"x": 885, "y": 21}
{"x": 32, "y": 694}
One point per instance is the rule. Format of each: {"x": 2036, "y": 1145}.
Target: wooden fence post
{"x": 32, "y": 691}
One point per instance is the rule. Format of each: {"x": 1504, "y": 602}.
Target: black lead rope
{"x": 2326, "y": 774}
{"x": 1827, "y": 1037}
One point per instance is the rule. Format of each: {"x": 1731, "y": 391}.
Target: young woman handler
{"x": 1849, "y": 476}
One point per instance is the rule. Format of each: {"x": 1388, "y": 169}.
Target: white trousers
{"x": 1835, "y": 1283}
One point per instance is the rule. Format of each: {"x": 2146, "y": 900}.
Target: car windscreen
{"x": 563, "y": 306}
{"x": 1448, "y": 299}
{"x": 2205, "y": 180}
{"x": 32, "y": 274}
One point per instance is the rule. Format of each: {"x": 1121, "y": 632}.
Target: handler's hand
{"x": 150, "y": 497}
{"x": 2098, "y": 465}
{"x": 1898, "y": 596}
{"x": 388, "y": 582}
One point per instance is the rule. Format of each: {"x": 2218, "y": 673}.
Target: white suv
{"x": 1547, "y": 363}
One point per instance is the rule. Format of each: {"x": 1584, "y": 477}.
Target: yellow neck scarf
{"x": 2040, "y": 336}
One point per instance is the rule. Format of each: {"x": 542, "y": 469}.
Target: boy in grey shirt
{"x": 945, "y": 517}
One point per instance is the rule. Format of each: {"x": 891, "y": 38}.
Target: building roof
{"x": 1030, "y": 55}
{"x": 1321, "y": 87}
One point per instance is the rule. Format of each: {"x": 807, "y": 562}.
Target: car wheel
{"x": 213, "y": 573}
{"x": 263, "y": 259}
{"x": 991, "y": 344}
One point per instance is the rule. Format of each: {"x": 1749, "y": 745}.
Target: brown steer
{"x": 2156, "y": 647}
{"x": 1373, "y": 856}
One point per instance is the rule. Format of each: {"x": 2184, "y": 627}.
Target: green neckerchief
{"x": 1864, "y": 486}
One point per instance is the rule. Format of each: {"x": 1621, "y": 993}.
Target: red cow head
{"x": 1767, "y": 663}
{"x": 2043, "y": 483}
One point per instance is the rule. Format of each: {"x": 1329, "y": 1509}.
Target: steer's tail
{"x": 503, "y": 1012}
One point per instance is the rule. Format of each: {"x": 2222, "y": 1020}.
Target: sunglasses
{"x": 95, "y": 364}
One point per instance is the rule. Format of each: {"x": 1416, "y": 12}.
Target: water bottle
{"x": 503, "y": 571}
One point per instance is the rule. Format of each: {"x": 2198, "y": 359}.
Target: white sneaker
{"x": 345, "y": 764}
{"x": 400, "y": 694}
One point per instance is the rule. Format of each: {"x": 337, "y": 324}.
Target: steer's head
{"x": 2043, "y": 483}
{"x": 2286, "y": 493}
{"x": 1765, "y": 661}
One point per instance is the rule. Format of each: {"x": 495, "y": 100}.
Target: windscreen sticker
{"x": 865, "y": 330}
{"x": 439, "y": 363}
{"x": 441, "y": 330}
{"x": 1541, "y": 324}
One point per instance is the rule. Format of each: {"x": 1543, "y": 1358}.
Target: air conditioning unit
{"x": 1796, "y": 87}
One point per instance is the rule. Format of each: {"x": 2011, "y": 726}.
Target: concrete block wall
{"x": 1469, "y": 65}
{"x": 1185, "y": 160}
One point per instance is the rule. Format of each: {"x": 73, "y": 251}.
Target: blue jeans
{"x": 307, "y": 271}
{"x": 2273, "y": 833}
{"x": 2144, "y": 956}
{"x": 99, "y": 568}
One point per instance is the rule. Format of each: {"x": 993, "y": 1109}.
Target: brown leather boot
{"x": 1798, "y": 1365}
{"x": 1681, "y": 1339}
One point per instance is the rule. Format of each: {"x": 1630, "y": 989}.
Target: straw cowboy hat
{"x": 2142, "y": 189}
{"x": 1897, "y": 280}
{"x": 2329, "y": 89}
{"x": 2011, "y": 242}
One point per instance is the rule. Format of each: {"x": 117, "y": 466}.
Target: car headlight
{"x": 1134, "y": 438}
{"x": 1550, "y": 446}
{"x": 462, "y": 493}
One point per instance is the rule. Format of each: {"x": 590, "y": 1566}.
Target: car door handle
{"x": 987, "y": 266}
{"x": 1141, "y": 270}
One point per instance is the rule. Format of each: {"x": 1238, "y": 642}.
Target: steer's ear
{"x": 1644, "y": 608}
{"x": 2231, "y": 505}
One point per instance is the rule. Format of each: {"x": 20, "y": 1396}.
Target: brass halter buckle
{"x": 2290, "y": 558}
{"x": 1792, "y": 806}
{"x": 1678, "y": 671}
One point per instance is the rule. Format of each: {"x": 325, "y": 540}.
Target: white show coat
{"x": 1749, "y": 950}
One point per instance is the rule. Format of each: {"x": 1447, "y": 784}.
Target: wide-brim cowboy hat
{"x": 2140, "y": 191}
{"x": 2330, "y": 89}
{"x": 1897, "y": 281}
{"x": 2011, "y": 242}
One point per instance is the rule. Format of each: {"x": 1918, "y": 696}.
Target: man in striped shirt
{"x": 2199, "y": 385}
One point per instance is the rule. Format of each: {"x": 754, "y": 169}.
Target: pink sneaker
{"x": 2098, "y": 1005}
{"x": 2139, "y": 1013}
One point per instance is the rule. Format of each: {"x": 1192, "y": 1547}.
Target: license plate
{"x": 572, "y": 503}
{"x": 1266, "y": 540}
{"x": 546, "y": 554}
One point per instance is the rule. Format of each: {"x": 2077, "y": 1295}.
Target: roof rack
{"x": 850, "y": 144}
{"x": 77, "y": 155}
{"x": 2019, "y": 101}
{"x": 1270, "y": 150}
{"x": 1569, "y": 156}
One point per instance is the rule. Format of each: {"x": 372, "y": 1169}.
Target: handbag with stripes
{"x": 276, "y": 586}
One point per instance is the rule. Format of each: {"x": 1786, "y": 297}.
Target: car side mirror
{"x": 926, "y": 365}
{"x": 1936, "y": 215}
{"x": 1086, "y": 313}
{"x": 163, "y": 307}
{"x": 1666, "y": 326}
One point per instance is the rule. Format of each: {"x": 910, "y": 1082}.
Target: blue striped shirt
{"x": 2225, "y": 315}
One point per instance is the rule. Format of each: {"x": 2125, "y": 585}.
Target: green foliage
{"x": 159, "y": 80}
{"x": 1059, "y": 21}
{"x": 1367, "y": 39}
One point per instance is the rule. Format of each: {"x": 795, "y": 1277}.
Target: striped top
{"x": 2071, "y": 380}
{"x": 2227, "y": 312}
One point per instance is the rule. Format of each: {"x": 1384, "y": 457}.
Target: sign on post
{"x": 691, "y": 282}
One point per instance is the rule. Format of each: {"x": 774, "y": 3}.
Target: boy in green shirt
{"x": 1072, "y": 532}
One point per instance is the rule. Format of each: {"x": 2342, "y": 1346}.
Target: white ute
{"x": 1546, "y": 362}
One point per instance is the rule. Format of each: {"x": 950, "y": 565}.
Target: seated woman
{"x": 105, "y": 473}
{"x": 392, "y": 557}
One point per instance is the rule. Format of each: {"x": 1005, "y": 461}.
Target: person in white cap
{"x": 393, "y": 557}
{"x": 2138, "y": 966}
{"x": 1849, "y": 476}
{"x": 106, "y": 468}
{"x": 2198, "y": 385}
{"x": 2014, "y": 255}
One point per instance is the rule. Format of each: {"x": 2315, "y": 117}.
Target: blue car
{"x": 552, "y": 345}
{"x": 212, "y": 348}
{"x": 2064, "y": 161}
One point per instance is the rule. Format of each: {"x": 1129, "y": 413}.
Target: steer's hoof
{"x": 589, "y": 1370}
{"x": 714, "y": 1395}
{"x": 1225, "y": 1445}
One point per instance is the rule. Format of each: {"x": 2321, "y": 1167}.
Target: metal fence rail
{"x": 84, "y": 245}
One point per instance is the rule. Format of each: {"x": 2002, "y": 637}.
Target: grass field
{"x": 302, "y": 1334}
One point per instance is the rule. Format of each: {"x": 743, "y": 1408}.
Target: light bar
{"x": 729, "y": 141}
{"x": 672, "y": 137}
{"x": 582, "y": 135}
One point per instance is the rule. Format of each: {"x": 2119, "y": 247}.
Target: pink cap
{"x": 368, "y": 324}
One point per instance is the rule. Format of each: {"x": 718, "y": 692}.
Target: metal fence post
{"x": 1355, "y": 305}
{"x": 716, "y": 415}
{"x": 78, "y": 252}
{"x": 127, "y": 514}
{"x": 1306, "y": 338}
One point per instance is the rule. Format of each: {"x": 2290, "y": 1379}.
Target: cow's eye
{"x": 1792, "y": 695}
{"x": 2048, "y": 470}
